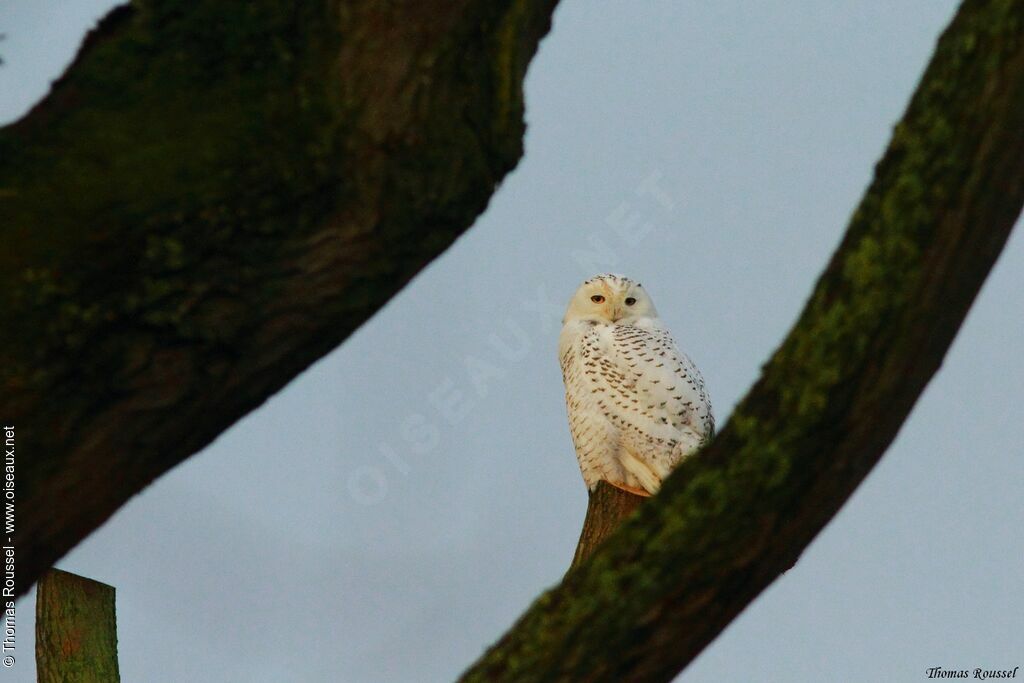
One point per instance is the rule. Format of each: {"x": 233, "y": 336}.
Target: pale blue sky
{"x": 355, "y": 529}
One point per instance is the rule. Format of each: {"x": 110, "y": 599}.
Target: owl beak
{"x": 616, "y": 314}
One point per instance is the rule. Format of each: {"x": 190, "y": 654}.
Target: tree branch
{"x": 76, "y": 630}
{"x": 831, "y": 399}
{"x": 607, "y": 508}
{"x": 213, "y": 197}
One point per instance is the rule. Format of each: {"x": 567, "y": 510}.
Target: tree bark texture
{"x": 607, "y": 508}
{"x": 830, "y": 400}
{"x": 76, "y": 630}
{"x": 213, "y": 197}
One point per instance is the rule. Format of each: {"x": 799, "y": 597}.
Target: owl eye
{"x": 630, "y": 301}
{"x": 597, "y": 298}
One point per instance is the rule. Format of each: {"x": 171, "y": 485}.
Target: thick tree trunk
{"x": 213, "y": 197}
{"x": 76, "y": 630}
{"x": 831, "y": 399}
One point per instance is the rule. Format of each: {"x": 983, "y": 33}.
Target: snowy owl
{"x": 637, "y": 405}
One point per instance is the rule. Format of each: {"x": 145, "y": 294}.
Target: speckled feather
{"x": 636, "y": 404}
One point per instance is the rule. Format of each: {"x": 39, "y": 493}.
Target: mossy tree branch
{"x": 76, "y": 630}
{"x": 830, "y": 400}
{"x": 213, "y": 197}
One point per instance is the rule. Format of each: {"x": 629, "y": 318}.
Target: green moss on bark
{"x": 76, "y": 630}
{"x": 213, "y": 197}
{"x": 830, "y": 400}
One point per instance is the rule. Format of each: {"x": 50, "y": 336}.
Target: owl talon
{"x": 636, "y": 491}
{"x": 636, "y": 404}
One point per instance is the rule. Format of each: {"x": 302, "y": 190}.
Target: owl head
{"x": 610, "y": 299}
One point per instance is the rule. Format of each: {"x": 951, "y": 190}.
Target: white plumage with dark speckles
{"x": 637, "y": 405}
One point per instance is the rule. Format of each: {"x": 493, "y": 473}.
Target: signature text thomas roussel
{"x": 979, "y": 673}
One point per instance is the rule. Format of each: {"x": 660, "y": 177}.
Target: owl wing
{"x": 594, "y": 436}
{"x": 649, "y": 390}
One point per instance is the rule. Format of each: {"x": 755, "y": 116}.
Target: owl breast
{"x": 636, "y": 405}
